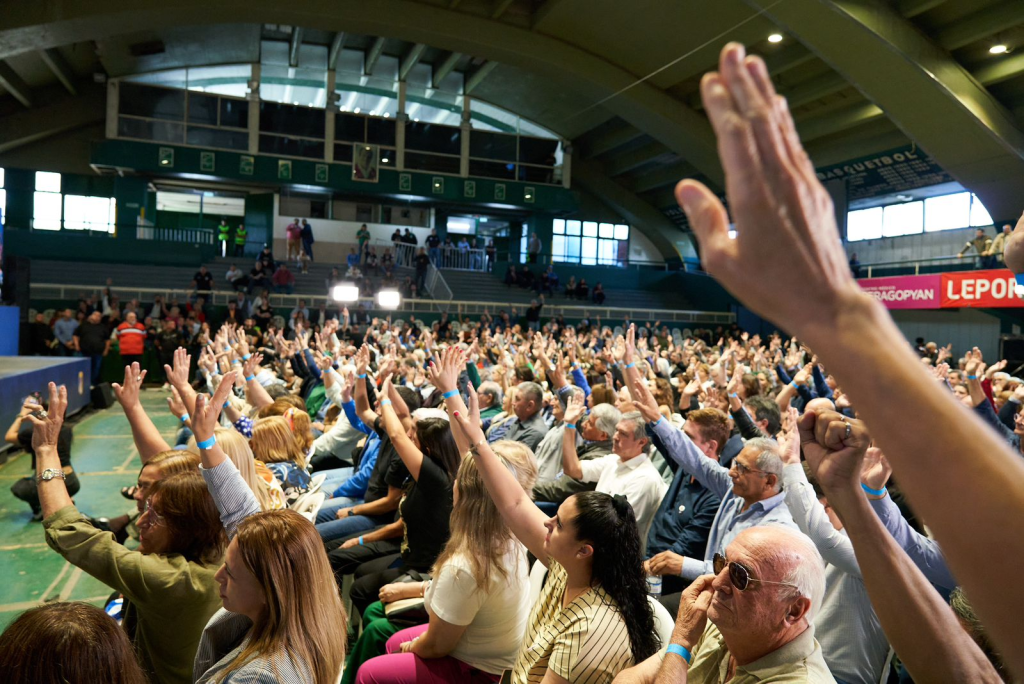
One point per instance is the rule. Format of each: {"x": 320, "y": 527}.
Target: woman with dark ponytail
{"x": 592, "y": 619}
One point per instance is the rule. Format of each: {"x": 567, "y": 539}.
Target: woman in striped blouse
{"x": 592, "y": 619}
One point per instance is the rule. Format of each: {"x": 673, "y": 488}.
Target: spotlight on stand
{"x": 345, "y": 292}
{"x": 389, "y": 299}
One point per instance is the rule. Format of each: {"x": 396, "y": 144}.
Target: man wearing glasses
{"x": 753, "y": 620}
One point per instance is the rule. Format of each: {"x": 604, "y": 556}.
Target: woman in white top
{"x": 478, "y": 601}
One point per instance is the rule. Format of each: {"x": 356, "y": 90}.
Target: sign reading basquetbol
{"x": 898, "y": 170}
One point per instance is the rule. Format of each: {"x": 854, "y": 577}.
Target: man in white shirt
{"x": 627, "y": 470}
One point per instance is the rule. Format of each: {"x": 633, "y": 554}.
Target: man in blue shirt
{"x": 64, "y": 331}
{"x": 683, "y": 522}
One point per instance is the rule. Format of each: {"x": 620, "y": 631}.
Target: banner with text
{"x": 974, "y": 289}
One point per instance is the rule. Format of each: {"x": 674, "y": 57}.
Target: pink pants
{"x": 407, "y": 668}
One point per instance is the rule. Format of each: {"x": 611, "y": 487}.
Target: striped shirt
{"x": 586, "y": 642}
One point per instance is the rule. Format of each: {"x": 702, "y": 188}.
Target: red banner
{"x": 980, "y": 289}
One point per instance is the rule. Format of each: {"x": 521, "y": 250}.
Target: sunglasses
{"x": 739, "y": 574}
{"x": 743, "y": 470}
{"x": 154, "y": 517}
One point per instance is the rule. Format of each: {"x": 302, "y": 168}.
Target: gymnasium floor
{"x": 106, "y": 460}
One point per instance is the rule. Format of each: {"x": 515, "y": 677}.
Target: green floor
{"x": 106, "y": 460}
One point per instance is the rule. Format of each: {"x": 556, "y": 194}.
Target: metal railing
{"x": 198, "y": 236}
{"x": 146, "y": 295}
{"x": 966, "y": 262}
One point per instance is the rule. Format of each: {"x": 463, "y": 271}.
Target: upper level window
{"x": 933, "y": 214}
{"x": 47, "y": 204}
{"x": 589, "y": 243}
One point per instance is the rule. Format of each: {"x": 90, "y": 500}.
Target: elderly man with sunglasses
{"x": 750, "y": 490}
{"x": 752, "y": 621}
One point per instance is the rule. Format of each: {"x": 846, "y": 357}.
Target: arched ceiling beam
{"x": 294, "y": 45}
{"x": 981, "y": 24}
{"x": 410, "y": 60}
{"x": 30, "y": 24}
{"x": 337, "y": 43}
{"x": 442, "y": 70}
{"x": 606, "y": 142}
{"x": 911, "y": 8}
{"x": 665, "y": 235}
{"x": 63, "y": 114}
{"x": 921, "y": 89}
{"x": 373, "y": 56}
{"x": 15, "y": 85}
{"x": 477, "y": 77}
{"x": 60, "y": 68}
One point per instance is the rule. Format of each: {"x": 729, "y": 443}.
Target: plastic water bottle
{"x": 654, "y": 585}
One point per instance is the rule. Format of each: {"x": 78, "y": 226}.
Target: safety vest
{"x": 225, "y": 233}
{"x": 240, "y": 235}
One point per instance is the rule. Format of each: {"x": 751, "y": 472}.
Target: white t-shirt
{"x": 496, "y": 616}
{"x": 636, "y": 479}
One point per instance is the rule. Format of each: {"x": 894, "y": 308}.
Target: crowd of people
{"x": 560, "y": 503}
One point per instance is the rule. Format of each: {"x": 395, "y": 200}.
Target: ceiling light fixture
{"x": 775, "y": 38}
{"x": 998, "y": 49}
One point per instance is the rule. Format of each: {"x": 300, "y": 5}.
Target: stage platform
{"x": 22, "y": 375}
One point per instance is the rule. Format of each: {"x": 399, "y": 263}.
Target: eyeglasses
{"x": 154, "y": 517}
{"x": 743, "y": 470}
{"x": 739, "y": 574}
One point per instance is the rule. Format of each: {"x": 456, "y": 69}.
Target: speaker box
{"x": 103, "y": 396}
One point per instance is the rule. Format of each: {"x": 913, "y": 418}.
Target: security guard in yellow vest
{"x": 223, "y": 235}
{"x": 240, "y": 236}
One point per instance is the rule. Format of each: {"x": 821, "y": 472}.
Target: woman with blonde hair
{"x": 268, "y": 492}
{"x": 283, "y": 620}
{"x": 478, "y": 599}
{"x": 274, "y": 444}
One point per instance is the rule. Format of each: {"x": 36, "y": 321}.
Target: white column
{"x": 400, "y": 121}
{"x": 330, "y": 109}
{"x": 254, "y": 110}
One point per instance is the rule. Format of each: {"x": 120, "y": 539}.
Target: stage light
{"x": 345, "y": 292}
{"x": 389, "y": 299}
{"x": 775, "y": 38}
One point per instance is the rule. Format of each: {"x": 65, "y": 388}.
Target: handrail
{"x": 916, "y": 263}
{"x": 462, "y": 307}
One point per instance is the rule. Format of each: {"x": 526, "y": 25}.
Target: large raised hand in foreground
{"x": 787, "y": 263}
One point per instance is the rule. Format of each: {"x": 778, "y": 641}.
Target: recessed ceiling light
{"x": 998, "y": 49}
{"x": 775, "y": 38}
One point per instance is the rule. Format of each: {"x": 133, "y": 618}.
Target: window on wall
{"x": 46, "y": 202}
{"x": 589, "y": 243}
{"x": 934, "y": 214}
{"x": 524, "y": 241}
{"x": 89, "y": 213}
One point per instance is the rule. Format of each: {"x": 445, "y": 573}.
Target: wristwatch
{"x": 350, "y": 513}
{"x": 49, "y": 474}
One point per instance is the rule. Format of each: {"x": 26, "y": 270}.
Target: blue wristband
{"x": 360, "y": 541}
{"x": 207, "y": 444}
{"x": 570, "y": 426}
{"x": 681, "y": 652}
{"x": 226, "y": 404}
{"x": 631, "y": 365}
{"x": 235, "y": 361}
{"x": 361, "y": 377}
{"x": 658, "y": 422}
{"x": 184, "y": 417}
{"x": 385, "y": 402}
{"x": 250, "y": 377}
{"x": 227, "y": 349}
{"x": 450, "y": 393}
{"x": 972, "y": 377}
{"x": 246, "y": 357}
{"x": 734, "y": 394}
{"x": 873, "y": 492}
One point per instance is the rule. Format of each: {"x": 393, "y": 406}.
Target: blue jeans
{"x": 343, "y": 527}
{"x": 96, "y": 365}
{"x": 329, "y": 510}
{"x": 284, "y": 289}
{"x": 334, "y": 479}
{"x": 435, "y": 256}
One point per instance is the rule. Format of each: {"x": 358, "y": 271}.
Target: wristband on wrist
{"x": 206, "y": 444}
{"x": 681, "y": 652}
{"x": 631, "y": 365}
{"x": 385, "y": 402}
{"x": 362, "y": 377}
{"x": 873, "y": 492}
{"x": 250, "y": 377}
{"x": 734, "y": 394}
{"x": 450, "y": 393}
{"x": 235, "y": 361}
{"x": 972, "y": 377}
{"x": 184, "y": 417}
{"x": 226, "y": 404}
{"x": 360, "y": 541}
{"x": 570, "y": 426}
{"x": 658, "y": 422}
{"x": 246, "y": 357}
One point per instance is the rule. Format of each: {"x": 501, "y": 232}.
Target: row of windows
{"x": 51, "y": 209}
{"x": 945, "y": 212}
{"x": 589, "y": 243}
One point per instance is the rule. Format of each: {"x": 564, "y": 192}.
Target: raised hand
{"x": 834, "y": 446}
{"x": 177, "y": 374}
{"x": 127, "y": 394}
{"x": 250, "y": 365}
{"x": 444, "y": 371}
{"x": 629, "y": 346}
{"x": 207, "y": 413}
{"x": 574, "y": 410}
{"x": 46, "y": 424}
{"x": 175, "y": 404}
{"x": 790, "y": 442}
{"x": 975, "y": 364}
{"x": 876, "y": 470}
{"x": 644, "y": 401}
{"x": 693, "y": 612}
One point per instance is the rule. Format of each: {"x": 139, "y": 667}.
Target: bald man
{"x": 753, "y": 620}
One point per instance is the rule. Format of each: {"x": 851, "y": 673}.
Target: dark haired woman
{"x": 168, "y": 584}
{"x": 592, "y": 619}
{"x": 71, "y": 643}
{"x": 428, "y": 452}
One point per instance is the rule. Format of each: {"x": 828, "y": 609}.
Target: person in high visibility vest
{"x": 131, "y": 338}
{"x": 223, "y": 234}
{"x": 240, "y": 234}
